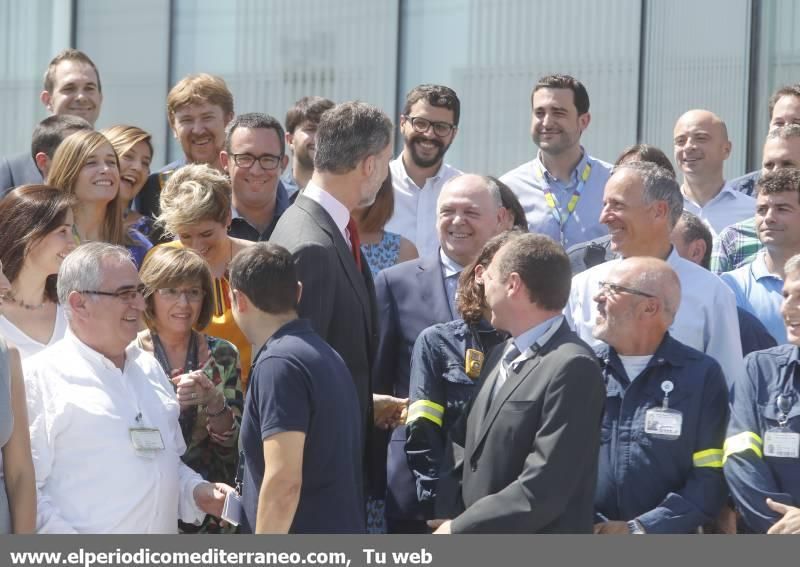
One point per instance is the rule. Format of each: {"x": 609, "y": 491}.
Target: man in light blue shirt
{"x": 561, "y": 189}
{"x": 759, "y": 285}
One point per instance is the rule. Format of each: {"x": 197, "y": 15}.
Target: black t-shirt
{"x": 299, "y": 383}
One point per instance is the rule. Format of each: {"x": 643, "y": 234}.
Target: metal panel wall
{"x": 273, "y": 53}
{"x": 493, "y": 51}
{"x": 31, "y": 33}
{"x": 129, "y": 43}
{"x": 778, "y": 65}
{"x": 696, "y": 59}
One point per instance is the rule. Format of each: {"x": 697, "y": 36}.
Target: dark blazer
{"x": 337, "y": 298}
{"x": 530, "y": 457}
{"x": 147, "y": 201}
{"x": 411, "y": 297}
{"x": 17, "y": 170}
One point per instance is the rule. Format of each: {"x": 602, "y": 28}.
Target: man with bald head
{"x": 414, "y": 295}
{"x": 641, "y": 205}
{"x": 701, "y": 148}
{"x": 666, "y": 409}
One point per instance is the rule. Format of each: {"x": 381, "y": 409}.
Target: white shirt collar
{"x": 433, "y": 177}
{"x": 338, "y": 212}
{"x": 94, "y": 357}
{"x": 449, "y": 266}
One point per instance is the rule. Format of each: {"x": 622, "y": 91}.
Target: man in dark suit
{"x": 353, "y": 152}
{"x": 414, "y": 295}
{"x": 532, "y": 434}
{"x": 71, "y": 87}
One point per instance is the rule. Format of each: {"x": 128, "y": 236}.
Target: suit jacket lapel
{"x": 514, "y": 379}
{"x": 433, "y": 293}
{"x": 357, "y": 279}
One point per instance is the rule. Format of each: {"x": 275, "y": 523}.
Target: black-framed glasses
{"x": 126, "y": 295}
{"x": 608, "y": 287}
{"x": 421, "y": 125}
{"x": 192, "y": 294}
{"x": 266, "y": 161}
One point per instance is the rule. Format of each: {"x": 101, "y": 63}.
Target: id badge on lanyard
{"x": 663, "y": 422}
{"x": 781, "y": 441}
{"x": 146, "y": 441}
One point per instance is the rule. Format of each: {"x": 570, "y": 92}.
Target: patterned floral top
{"x": 214, "y": 457}
{"x": 384, "y": 254}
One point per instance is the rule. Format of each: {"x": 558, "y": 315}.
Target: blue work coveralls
{"x": 752, "y": 476}
{"x": 668, "y": 485}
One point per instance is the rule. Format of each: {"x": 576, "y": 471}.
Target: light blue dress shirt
{"x": 584, "y": 222}
{"x": 759, "y": 292}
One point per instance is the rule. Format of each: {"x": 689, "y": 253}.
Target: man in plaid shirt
{"x": 738, "y": 244}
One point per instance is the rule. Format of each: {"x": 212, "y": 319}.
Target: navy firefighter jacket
{"x": 670, "y": 485}
{"x": 439, "y": 392}
{"x": 755, "y": 467}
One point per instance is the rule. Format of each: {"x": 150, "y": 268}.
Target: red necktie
{"x": 355, "y": 241}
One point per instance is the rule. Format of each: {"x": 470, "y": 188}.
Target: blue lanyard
{"x": 560, "y": 216}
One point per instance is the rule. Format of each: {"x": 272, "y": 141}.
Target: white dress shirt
{"x": 415, "y": 213}
{"x": 706, "y": 320}
{"x": 727, "y": 208}
{"x": 89, "y": 478}
{"x": 29, "y": 346}
{"x": 338, "y": 212}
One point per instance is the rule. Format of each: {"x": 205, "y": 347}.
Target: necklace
{"x": 10, "y": 297}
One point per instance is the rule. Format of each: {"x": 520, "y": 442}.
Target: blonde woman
{"x": 86, "y": 166}
{"x": 134, "y": 148}
{"x": 196, "y": 208}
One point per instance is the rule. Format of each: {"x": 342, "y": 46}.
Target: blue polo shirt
{"x": 528, "y": 182}
{"x": 299, "y": 383}
{"x": 759, "y": 292}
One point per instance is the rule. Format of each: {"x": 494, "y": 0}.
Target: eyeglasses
{"x": 192, "y": 294}
{"x": 608, "y": 287}
{"x": 267, "y": 161}
{"x": 126, "y": 295}
{"x": 421, "y": 125}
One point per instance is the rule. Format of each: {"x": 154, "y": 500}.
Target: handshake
{"x": 388, "y": 411}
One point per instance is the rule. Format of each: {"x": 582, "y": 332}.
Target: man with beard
{"x": 429, "y": 125}
{"x": 561, "y": 189}
{"x": 302, "y": 121}
{"x": 199, "y": 108}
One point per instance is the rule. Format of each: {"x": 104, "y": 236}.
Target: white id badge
{"x": 782, "y": 442}
{"x": 146, "y": 439}
{"x": 232, "y": 509}
{"x": 663, "y": 423}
